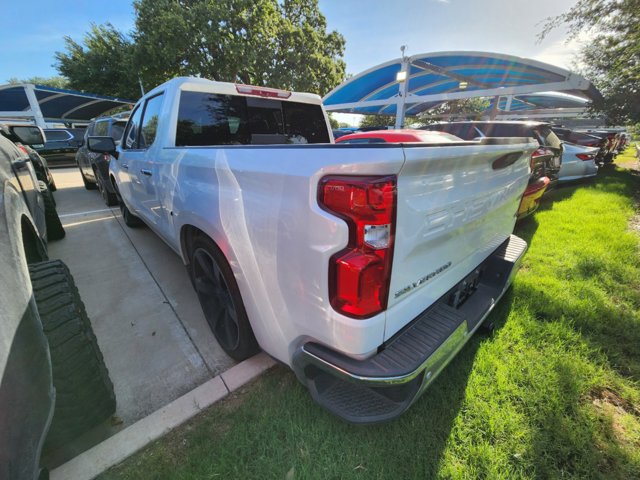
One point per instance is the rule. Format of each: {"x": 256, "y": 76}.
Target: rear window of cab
{"x": 208, "y": 119}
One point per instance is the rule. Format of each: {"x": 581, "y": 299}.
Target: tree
{"x": 104, "y": 65}
{"x": 55, "y": 82}
{"x": 333, "y": 122}
{"x": 369, "y": 121}
{"x": 463, "y": 109}
{"x": 612, "y": 58}
{"x": 279, "y": 43}
{"x": 260, "y": 42}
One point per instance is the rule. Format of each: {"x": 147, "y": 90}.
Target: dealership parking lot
{"x": 146, "y": 316}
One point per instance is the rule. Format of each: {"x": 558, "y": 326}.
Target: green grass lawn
{"x": 554, "y": 392}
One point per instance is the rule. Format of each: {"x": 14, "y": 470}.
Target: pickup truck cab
{"x": 365, "y": 268}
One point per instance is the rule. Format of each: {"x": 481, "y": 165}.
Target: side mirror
{"x": 28, "y": 134}
{"x": 102, "y": 145}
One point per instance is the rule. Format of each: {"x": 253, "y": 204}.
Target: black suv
{"x": 94, "y": 167}
{"x": 53, "y": 381}
{"x": 61, "y": 145}
{"x": 545, "y": 161}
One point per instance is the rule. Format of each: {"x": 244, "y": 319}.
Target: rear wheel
{"x": 87, "y": 184}
{"x": 84, "y": 392}
{"x": 220, "y": 299}
{"x": 55, "y": 230}
{"x": 109, "y": 198}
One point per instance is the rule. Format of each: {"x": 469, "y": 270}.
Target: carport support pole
{"x": 30, "y": 91}
{"x": 402, "y": 92}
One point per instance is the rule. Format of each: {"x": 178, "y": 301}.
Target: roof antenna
{"x": 141, "y": 87}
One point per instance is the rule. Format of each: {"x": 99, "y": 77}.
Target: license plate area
{"x": 463, "y": 291}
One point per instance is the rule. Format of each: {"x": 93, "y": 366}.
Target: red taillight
{"x": 585, "y": 156}
{"x": 262, "y": 91}
{"x": 24, "y": 150}
{"x": 359, "y": 275}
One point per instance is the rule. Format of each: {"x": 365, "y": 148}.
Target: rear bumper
{"x": 382, "y": 387}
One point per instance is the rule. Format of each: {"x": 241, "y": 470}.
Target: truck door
{"x": 143, "y": 164}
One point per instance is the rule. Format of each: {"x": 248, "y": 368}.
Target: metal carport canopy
{"x": 438, "y": 77}
{"x": 41, "y": 104}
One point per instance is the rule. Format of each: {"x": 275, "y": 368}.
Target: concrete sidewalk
{"x": 146, "y": 316}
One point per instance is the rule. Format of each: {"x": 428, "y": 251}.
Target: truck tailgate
{"x": 455, "y": 205}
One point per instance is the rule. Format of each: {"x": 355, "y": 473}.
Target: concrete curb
{"x": 125, "y": 443}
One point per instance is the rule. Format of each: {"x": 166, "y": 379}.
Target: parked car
{"x": 545, "y": 161}
{"x": 61, "y": 145}
{"x": 53, "y": 382}
{"x": 94, "y": 167}
{"x": 39, "y": 164}
{"x": 578, "y": 162}
{"x": 406, "y": 135}
{"x": 365, "y": 268}
{"x": 608, "y": 146}
{"x": 577, "y": 138}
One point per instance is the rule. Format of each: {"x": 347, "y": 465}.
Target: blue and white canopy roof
{"x": 41, "y": 104}
{"x": 435, "y": 78}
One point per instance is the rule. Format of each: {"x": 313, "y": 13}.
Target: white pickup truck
{"x": 365, "y": 268}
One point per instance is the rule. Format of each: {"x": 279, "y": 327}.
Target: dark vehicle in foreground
{"x": 53, "y": 382}
{"x": 545, "y": 161}
{"x": 94, "y": 167}
{"x": 61, "y": 145}
{"x": 39, "y": 163}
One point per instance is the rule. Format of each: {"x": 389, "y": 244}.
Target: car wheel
{"x": 109, "y": 198}
{"x": 84, "y": 392}
{"x": 55, "y": 230}
{"x": 130, "y": 220}
{"x": 87, "y": 184}
{"x": 220, "y": 299}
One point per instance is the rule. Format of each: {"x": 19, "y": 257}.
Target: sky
{"x": 374, "y": 29}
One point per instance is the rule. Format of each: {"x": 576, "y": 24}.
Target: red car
{"x": 406, "y": 135}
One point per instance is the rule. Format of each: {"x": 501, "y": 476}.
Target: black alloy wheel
{"x": 220, "y": 300}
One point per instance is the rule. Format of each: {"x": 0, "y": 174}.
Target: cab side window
{"x": 149, "y": 125}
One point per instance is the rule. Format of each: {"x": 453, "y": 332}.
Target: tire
{"x": 55, "y": 231}
{"x": 87, "y": 184}
{"x": 130, "y": 220}
{"x": 220, "y": 299}
{"x": 109, "y": 198}
{"x": 84, "y": 392}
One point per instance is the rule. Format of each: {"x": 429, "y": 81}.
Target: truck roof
{"x": 198, "y": 84}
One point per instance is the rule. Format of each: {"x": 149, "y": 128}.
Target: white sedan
{"x": 578, "y": 162}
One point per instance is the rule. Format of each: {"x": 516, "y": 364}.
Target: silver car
{"x": 578, "y": 162}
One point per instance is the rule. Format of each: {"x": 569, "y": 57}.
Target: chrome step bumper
{"x": 383, "y": 386}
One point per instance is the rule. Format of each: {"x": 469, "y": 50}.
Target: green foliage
{"x": 377, "y": 121}
{"x": 553, "y": 393}
{"x": 55, "y": 82}
{"x": 463, "y": 109}
{"x": 333, "y": 122}
{"x": 612, "y": 56}
{"x": 104, "y": 65}
{"x": 283, "y": 44}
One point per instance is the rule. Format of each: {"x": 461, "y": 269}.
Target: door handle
{"x": 125, "y": 166}
{"x": 146, "y": 172}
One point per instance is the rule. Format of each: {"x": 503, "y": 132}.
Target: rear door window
{"x": 57, "y": 135}
{"x": 206, "y": 119}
